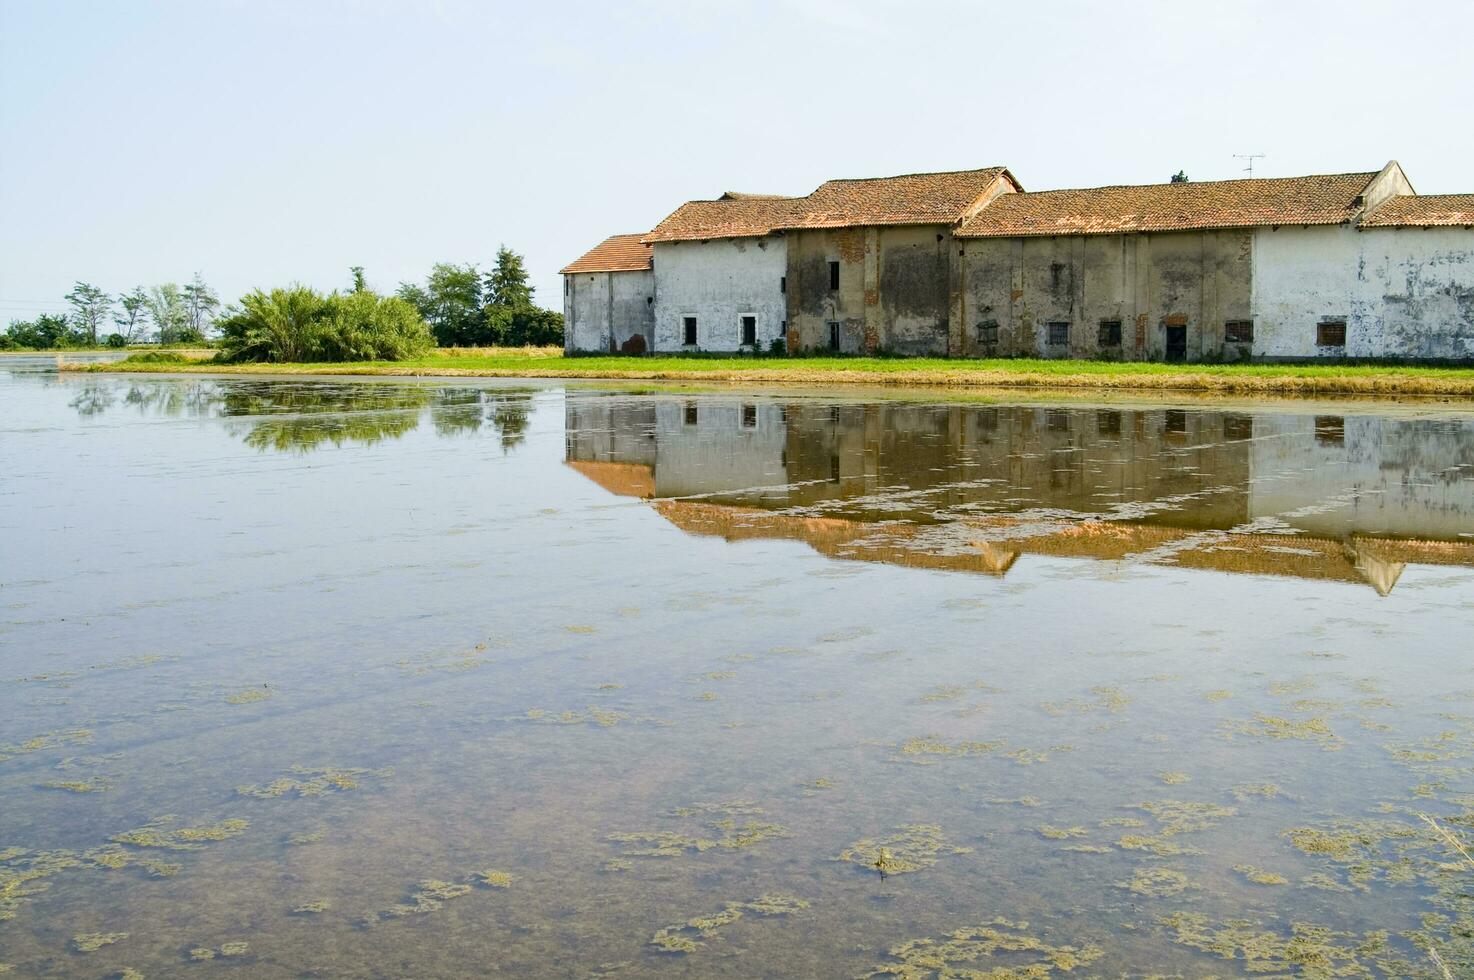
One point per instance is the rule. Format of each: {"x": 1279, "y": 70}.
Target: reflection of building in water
{"x": 973, "y": 487}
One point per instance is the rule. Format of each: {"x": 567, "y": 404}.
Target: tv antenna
{"x": 1251, "y": 157}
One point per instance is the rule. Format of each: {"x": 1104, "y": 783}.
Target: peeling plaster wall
{"x": 718, "y": 282}
{"x": 602, "y": 306}
{"x": 894, "y": 288}
{"x": 1147, "y": 282}
{"x": 1404, "y": 292}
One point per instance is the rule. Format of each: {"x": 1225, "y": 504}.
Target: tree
{"x": 506, "y": 285}
{"x": 169, "y": 313}
{"x": 200, "y": 303}
{"x": 359, "y": 284}
{"x": 90, "y": 306}
{"x": 129, "y": 319}
{"x": 46, "y": 331}
{"x": 1180, "y": 177}
{"x": 451, "y": 301}
{"x": 300, "y": 324}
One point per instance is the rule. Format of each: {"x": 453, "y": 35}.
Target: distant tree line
{"x": 457, "y": 306}
{"x": 165, "y": 314}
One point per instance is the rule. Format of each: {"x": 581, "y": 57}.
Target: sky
{"x": 262, "y": 142}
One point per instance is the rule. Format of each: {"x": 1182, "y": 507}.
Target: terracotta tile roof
{"x": 743, "y": 196}
{"x": 937, "y": 198}
{"x": 910, "y": 199}
{"x": 1325, "y": 199}
{"x": 617, "y": 253}
{"x": 1422, "y": 211}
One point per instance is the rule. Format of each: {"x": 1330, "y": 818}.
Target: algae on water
{"x": 689, "y": 936}
{"x": 968, "y": 953}
{"x": 907, "y": 848}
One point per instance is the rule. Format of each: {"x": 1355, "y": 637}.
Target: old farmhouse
{"x": 968, "y": 263}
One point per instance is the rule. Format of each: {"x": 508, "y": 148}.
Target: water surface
{"x": 386, "y": 678}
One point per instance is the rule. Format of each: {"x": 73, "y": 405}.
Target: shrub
{"x": 116, "y": 340}
{"x": 156, "y": 357}
{"x": 300, "y": 324}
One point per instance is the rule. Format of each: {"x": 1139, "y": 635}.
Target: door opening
{"x": 1177, "y": 344}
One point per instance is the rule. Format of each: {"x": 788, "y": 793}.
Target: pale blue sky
{"x": 261, "y": 142}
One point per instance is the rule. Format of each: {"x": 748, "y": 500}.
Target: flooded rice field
{"x": 431, "y": 679}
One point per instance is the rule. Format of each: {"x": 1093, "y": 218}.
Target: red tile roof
{"x": 1422, "y": 211}
{"x": 935, "y": 198}
{"x": 617, "y": 253}
{"x": 1325, "y": 199}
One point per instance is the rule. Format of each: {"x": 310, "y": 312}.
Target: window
{"x": 1058, "y": 420}
{"x": 689, "y": 329}
{"x": 1330, "y": 430}
{"x": 1238, "y": 428}
{"x": 834, "y": 335}
{"x": 567, "y": 285}
{"x": 1238, "y": 332}
{"x": 749, "y": 416}
{"x": 1330, "y": 333}
{"x": 749, "y": 331}
{"x": 1059, "y": 334}
{"x": 833, "y": 275}
{"x": 1176, "y": 422}
{"x": 782, "y": 284}
{"x": 691, "y": 413}
{"x": 988, "y": 332}
{"x": 1110, "y": 333}
{"x": 1108, "y": 423}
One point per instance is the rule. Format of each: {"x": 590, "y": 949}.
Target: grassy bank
{"x": 1320, "y": 379}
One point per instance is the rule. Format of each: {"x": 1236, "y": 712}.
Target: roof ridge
{"x": 1198, "y": 183}
{"x": 918, "y": 173}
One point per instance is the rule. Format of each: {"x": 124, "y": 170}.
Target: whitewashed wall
{"x": 598, "y": 305}
{"x": 1405, "y": 292}
{"x": 718, "y": 282}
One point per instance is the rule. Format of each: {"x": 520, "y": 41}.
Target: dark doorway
{"x": 1177, "y": 344}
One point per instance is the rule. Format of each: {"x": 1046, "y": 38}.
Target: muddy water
{"x": 426, "y": 679}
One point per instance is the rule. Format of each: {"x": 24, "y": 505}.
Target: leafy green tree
{"x": 132, "y": 311}
{"x": 451, "y": 302}
{"x": 46, "y": 331}
{"x": 300, "y": 324}
{"x": 90, "y": 307}
{"x": 200, "y": 304}
{"x": 506, "y": 284}
{"x": 1180, "y": 177}
{"x": 169, "y": 313}
{"x": 360, "y": 285}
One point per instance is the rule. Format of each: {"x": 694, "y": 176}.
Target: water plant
{"x": 689, "y": 936}
{"x": 907, "y": 848}
{"x": 89, "y": 942}
{"x": 305, "y": 781}
{"x": 961, "y": 954}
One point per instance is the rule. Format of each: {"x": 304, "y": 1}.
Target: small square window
{"x": 688, "y": 325}
{"x": 1330, "y": 430}
{"x": 692, "y": 414}
{"x": 749, "y": 331}
{"x": 833, "y": 275}
{"x": 1110, "y": 333}
{"x": 834, "y": 335}
{"x": 782, "y": 284}
{"x": 1059, "y": 334}
{"x": 749, "y": 416}
{"x": 1330, "y": 333}
{"x": 1238, "y": 428}
{"x": 988, "y": 332}
{"x": 1108, "y": 423}
{"x": 1238, "y": 332}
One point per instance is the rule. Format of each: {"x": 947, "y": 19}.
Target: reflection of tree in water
{"x": 301, "y": 417}
{"x": 467, "y": 410}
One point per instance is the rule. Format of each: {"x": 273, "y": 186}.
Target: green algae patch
{"x": 1109, "y": 699}
{"x": 928, "y": 749}
{"x": 202, "y": 953}
{"x": 312, "y": 782}
{"x": 1174, "y": 778}
{"x": 25, "y": 874}
{"x": 1259, "y": 876}
{"x": 908, "y": 848}
{"x": 430, "y": 895}
{"x": 717, "y": 829}
{"x": 691, "y": 935}
{"x": 1266, "y": 790}
{"x": 970, "y": 952}
{"x": 1029, "y": 801}
{"x": 1062, "y": 833}
{"x": 1309, "y": 951}
{"x": 249, "y": 696}
{"x": 96, "y": 784}
{"x": 1314, "y": 729}
{"x": 1174, "y": 817}
{"x": 593, "y": 715}
{"x": 157, "y": 833}
{"x": 1157, "y": 882}
{"x": 48, "y": 740}
{"x": 493, "y": 879}
{"x": 1216, "y": 696}
{"x": 90, "y": 942}
{"x": 311, "y": 908}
